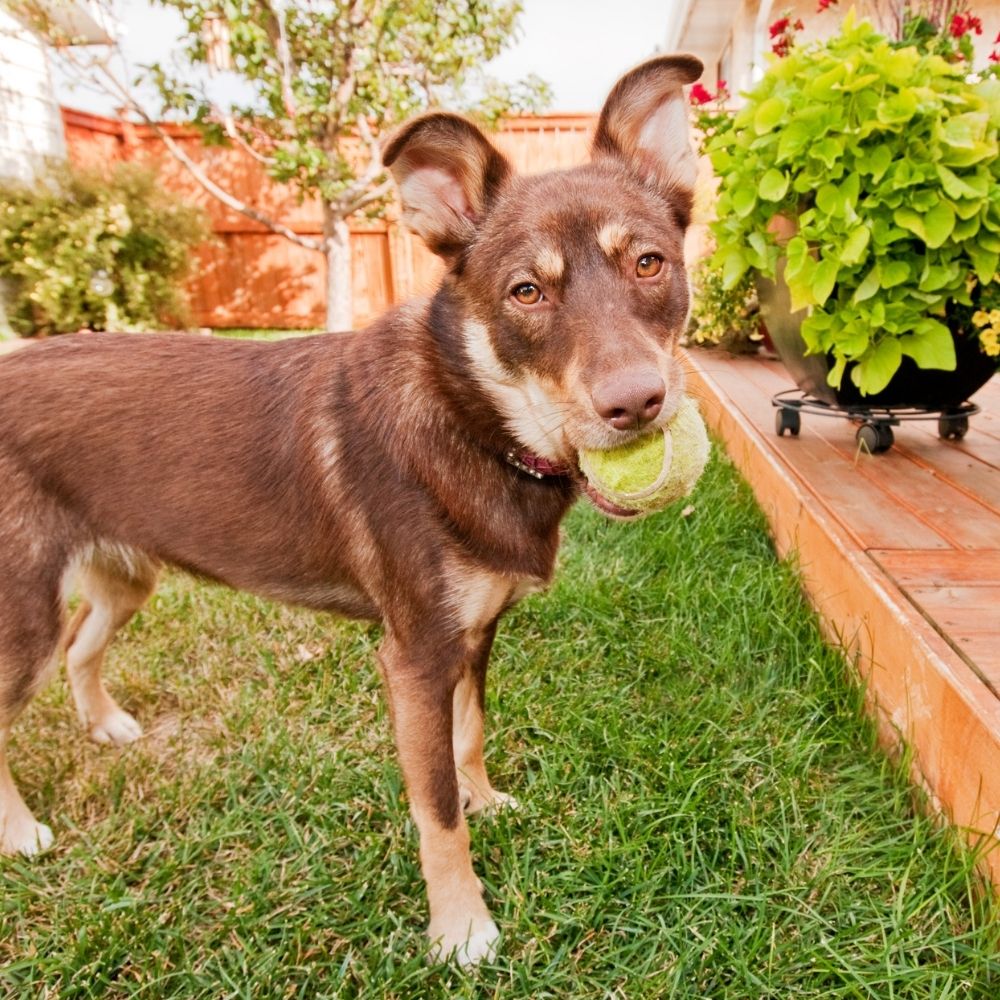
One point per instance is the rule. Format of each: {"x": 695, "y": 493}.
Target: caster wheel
{"x": 787, "y": 420}
{"x": 952, "y": 427}
{"x": 874, "y": 438}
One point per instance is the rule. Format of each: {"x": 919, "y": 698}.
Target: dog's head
{"x": 572, "y": 283}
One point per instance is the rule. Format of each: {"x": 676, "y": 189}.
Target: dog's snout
{"x": 630, "y": 399}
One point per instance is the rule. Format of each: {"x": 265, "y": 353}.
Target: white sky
{"x": 579, "y": 46}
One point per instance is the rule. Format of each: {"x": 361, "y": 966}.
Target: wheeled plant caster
{"x": 874, "y": 423}
{"x": 953, "y": 426}
{"x": 787, "y": 420}
{"x": 874, "y": 437}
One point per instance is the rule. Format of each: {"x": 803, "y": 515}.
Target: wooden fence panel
{"x": 248, "y": 276}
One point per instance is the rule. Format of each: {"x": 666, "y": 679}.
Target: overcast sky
{"x": 579, "y": 46}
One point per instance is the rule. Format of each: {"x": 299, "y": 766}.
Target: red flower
{"x": 699, "y": 95}
{"x": 798, "y": 26}
{"x": 781, "y": 47}
{"x": 962, "y": 24}
{"x": 780, "y": 26}
{"x": 721, "y": 91}
{"x": 825, "y": 5}
{"x": 996, "y": 41}
{"x": 995, "y": 56}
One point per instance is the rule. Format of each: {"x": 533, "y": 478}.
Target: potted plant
{"x": 861, "y": 183}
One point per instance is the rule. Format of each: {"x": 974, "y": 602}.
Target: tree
{"x": 321, "y": 79}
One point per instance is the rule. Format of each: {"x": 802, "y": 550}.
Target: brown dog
{"x": 414, "y": 472}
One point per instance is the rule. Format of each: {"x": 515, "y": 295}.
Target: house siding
{"x": 30, "y": 121}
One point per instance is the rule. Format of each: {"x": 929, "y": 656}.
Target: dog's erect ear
{"x": 645, "y": 121}
{"x": 448, "y": 173}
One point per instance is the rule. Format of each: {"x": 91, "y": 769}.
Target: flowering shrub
{"x": 96, "y": 251}
{"x": 723, "y": 317}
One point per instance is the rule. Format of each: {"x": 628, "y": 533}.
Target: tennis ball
{"x": 652, "y": 471}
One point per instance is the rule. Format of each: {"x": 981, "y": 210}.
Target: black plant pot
{"x": 911, "y": 386}
{"x": 927, "y": 387}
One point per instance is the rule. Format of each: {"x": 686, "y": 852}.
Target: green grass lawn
{"x": 704, "y": 809}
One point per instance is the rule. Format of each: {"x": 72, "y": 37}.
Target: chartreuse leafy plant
{"x": 885, "y": 160}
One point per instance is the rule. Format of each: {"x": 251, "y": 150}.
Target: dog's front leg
{"x": 475, "y": 791}
{"x": 421, "y": 684}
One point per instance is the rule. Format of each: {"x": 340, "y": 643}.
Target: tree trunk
{"x": 339, "y": 291}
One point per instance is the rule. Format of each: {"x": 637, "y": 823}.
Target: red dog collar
{"x": 535, "y": 465}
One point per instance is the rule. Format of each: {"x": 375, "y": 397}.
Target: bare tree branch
{"x": 117, "y": 89}
{"x": 231, "y": 129}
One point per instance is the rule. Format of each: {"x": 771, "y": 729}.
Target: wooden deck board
{"x": 900, "y": 554}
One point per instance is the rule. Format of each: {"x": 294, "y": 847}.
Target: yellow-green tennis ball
{"x": 652, "y": 471}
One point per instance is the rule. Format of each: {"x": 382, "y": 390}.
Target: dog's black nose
{"x": 629, "y": 399}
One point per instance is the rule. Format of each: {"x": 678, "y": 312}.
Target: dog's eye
{"x": 527, "y": 294}
{"x": 649, "y": 265}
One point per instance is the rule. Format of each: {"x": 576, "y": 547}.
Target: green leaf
{"x": 869, "y": 286}
{"x": 894, "y": 273}
{"x": 744, "y": 199}
{"x": 824, "y": 278}
{"x": 964, "y": 131}
{"x": 898, "y": 108}
{"x": 971, "y": 186}
{"x": 984, "y": 261}
{"x": 769, "y": 115}
{"x": 733, "y": 268}
{"x": 876, "y": 162}
{"x": 773, "y": 185}
{"x": 794, "y": 139}
{"x": 836, "y": 374}
{"x": 965, "y": 228}
{"x": 931, "y": 345}
{"x": 828, "y": 200}
{"x": 913, "y": 221}
{"x": 853, "y": 250}
{"x": 877, "y": 366}
{"x": 938, "y": 224}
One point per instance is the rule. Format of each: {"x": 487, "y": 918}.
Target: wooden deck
{"x": 900, "y": 554}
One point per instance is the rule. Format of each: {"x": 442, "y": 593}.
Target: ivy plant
{"x": 881, "y": 158}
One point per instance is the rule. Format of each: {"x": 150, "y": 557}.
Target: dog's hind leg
{"x": 30, "y": 621}
{"x": 113, "y": 585}
{"x": 421, "y": 684}
{"x": 469, "y": 705}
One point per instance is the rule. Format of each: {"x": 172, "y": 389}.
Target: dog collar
{"x": 535, "y": 465}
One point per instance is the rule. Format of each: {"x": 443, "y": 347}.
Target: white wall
{"x": 30, "y": 124}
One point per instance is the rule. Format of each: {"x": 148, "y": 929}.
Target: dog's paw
{"x": 474, "y": 800}
{"x": 116, "y": 727}
{"x": 501, "y": 800}
{"x": 25, "y": 835}
{"x": 467, "y": 949}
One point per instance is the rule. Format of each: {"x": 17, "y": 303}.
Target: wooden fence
{"x": 248, "y": 276}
